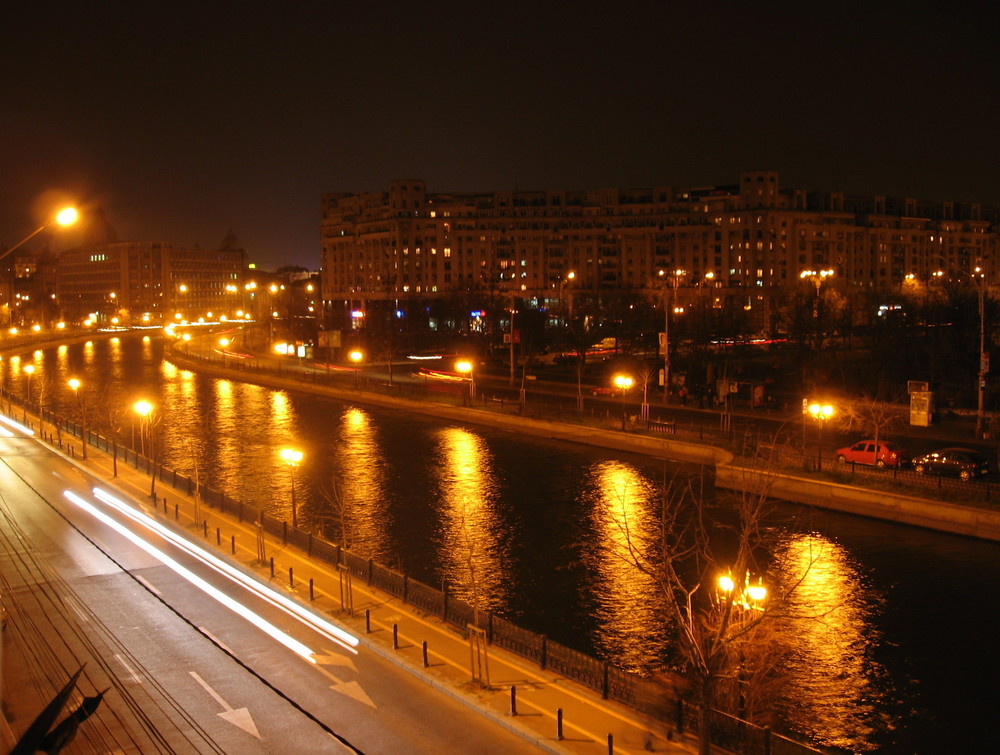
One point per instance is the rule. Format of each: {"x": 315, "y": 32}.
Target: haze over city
{"x": 184, "y": 121}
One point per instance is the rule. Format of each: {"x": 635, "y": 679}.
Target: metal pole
{"x": 666, "y": 343}
{"x": 295, "y": 521}
{"x": 983, "y": 366}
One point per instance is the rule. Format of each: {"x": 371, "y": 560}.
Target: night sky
{"x": 185, "y": 121}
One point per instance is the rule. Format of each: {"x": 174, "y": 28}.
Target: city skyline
{"x": 183, "y": 126}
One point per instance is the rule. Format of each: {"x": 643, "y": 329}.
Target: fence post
{"x": 545, "y": 652}
{"x": 604, "y": 681}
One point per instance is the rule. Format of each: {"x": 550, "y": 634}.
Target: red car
{"x": 864, "y": 452}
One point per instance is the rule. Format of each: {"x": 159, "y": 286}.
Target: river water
{"x": 892, "y": 630}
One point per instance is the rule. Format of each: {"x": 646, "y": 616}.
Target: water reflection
{"x": 834, "y": 686}
{"x": 473, "y": 554}
{"x": 357, "y": 493}
{"x": 624, "y": 511}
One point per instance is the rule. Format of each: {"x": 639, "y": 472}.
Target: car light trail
{"x": 276, "y": 599}
{"x": 16, "y": 425}
{"x": 261, "y": 623}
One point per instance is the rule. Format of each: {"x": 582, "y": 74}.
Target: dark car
{"x": 881, "y": 454}
{"x": 966, "y": 463}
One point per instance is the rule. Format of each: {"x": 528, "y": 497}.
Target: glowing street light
{"x": 623, "y": 383}
{"x": 356, "y": 356}
{"x": 821, "y": 413}
{"x": 145, "y": 411}
{"x": 465, "y": 367}
{"x": 292, "y": 458}
{"x": 29, "y": 370}
{"x": 75, "y": 385}
{"x": 65, "y": 217}
{"x": 746, "y": 595}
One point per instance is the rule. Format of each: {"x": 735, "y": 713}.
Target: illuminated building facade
{"x": 739, "y": 244}
{"x": 137, "y": 281}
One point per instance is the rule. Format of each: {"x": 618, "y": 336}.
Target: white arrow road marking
{"x": 352, "y": 690}
{"x": 239, "y": 717}
{"x": 335, "y": 660}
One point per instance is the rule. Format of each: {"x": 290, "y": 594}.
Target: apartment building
{"x": 739, "y": 243}
{"x": 148, "y": 281}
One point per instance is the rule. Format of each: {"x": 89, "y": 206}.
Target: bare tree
{"x": 710, "y": 564}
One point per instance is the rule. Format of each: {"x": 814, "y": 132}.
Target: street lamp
{"x": 745, "y": 595}
{"x": 623, "y": 383}
{"x": 29, "y": 370}
{"x": 356, "y": 356}
{"x": 674, "y": 279}
{"x": 465, "y": 367}
{"x": 145, "y": 411}
{"x": 821, "y": 413}
{"x": 81, "y": 400}
{"x": 292, "y": 458}
{"x": 65, "y": 217}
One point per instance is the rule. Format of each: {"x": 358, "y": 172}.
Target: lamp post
{"x": 465, "y": 367}
{"x": 623, "y": 383}
{"x": 821, "y": 413}
{"x": 145, "y": 411}
{"x": 984, "y": 357}
{"x": 668, "y": 301}
{"x": 292, "y": 458}
{"x": 81, "y": 400}
{"x": 29, "y": 370}
{"x": 65, "y": 217}
{"x": 567, "y": 281}
{"x": 356, "y": 356}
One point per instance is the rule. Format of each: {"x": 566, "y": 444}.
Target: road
{"x": 194, "y": 659}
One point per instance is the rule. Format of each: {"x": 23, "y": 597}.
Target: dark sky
{"x": 184, "y": 121}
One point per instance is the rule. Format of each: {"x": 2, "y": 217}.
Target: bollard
{"x": 176, "y": 513}
{"x": 513, "y": 700}
{"x": 218, "y": 536}
{"x": 204, "y": 527}
{"x": 272, "y": 567}
{"x": 311, "y": 595}
{"x": 234, "y": 544}
{"x": 611, "y": 744}
{"x": 291, "y": 578}
{"x": 559, "y": 734}
{"x": 164, "y": 504}
{"x": 424, "y": 646}
{"x": 368, "y": 621}
{"x": 395, "y": 636}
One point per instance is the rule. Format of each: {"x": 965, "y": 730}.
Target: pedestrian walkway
{"x": 533, "y": 703}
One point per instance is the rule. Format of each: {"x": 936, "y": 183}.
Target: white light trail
{"x": 16, "y": 425}
{"x": 276, "y": 599}
{"x": 290, "y": 642}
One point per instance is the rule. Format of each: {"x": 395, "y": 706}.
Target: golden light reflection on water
{"x": 630, "y": 627}
{"x": 833, "y": 685}
{"x": 361, "y": 486}
{"x": 474, "y": 551}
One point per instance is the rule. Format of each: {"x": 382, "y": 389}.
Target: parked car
{"x": 966, "y": 463}
{"x": 883, "y": 454}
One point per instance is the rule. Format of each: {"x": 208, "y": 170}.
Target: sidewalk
{"x": 519, "y": 696}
